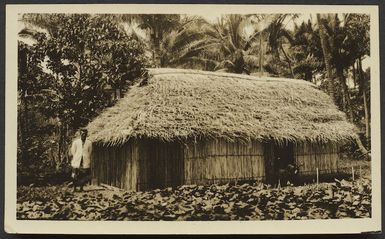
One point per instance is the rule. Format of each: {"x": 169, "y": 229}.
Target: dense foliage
{"x": 342, "y": 199}
{"x": 70, "y": 63}
{"x": 63, "y": 79}
{"x": 328, "y": 50}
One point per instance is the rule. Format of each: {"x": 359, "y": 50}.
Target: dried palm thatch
{"x": 186, "y": 105}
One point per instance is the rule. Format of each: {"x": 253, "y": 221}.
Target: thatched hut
{"x": 195, "y": 127}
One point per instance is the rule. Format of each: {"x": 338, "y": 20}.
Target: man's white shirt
{"x": 78, "y": 150}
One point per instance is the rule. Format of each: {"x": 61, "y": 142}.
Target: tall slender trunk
{"x": 24, "y": 102}
{"x": 260, "y": 56}
{"x": 156, "y": 37}
{"x": 60, "y": 144}
{"x": 354, "y": 75}
{"x": 362, "y": 149}
{"x": 363, "y": 90}
{"x": 25, "y": 119}
{"x": 24, "y": 128}
{"x": 20, "y": 135}
{"x": 66, "y": 159}
{"x": 327, "y": 55}
{"x": 345, "y": 94}
{"x": 367, "y": 124}
{"x": 288, "y": 61}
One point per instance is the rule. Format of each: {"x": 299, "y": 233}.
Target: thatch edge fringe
{"x": 230, "y": 136}
{"x": 188, "y": 140}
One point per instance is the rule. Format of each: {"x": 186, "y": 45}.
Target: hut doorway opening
{"x": 161, "y": 165}
{"x": 284, "y": 155}
{"x": 280, "y": 163}
{"x": 285, "y": 164}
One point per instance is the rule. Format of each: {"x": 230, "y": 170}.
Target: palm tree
{"x": 154, "y": 26}
{"x": 356, "y": 46}
{"x": 184, "y": 46}
{"x": 185, "y": 41}
{"x": 332, "y": 37}
{"x": 278, "y": 36}
{"x": 306, "y": 51}
{"x": 231, "y": 44}
{"x": 158, "y": 25}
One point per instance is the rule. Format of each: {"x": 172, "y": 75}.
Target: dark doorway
{"x": 161, "y": 165}
{"x": 278, "y": 157}
{"x": 284, "y": 155}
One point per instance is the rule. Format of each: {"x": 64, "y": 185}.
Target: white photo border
{"x": 12, "y": 225}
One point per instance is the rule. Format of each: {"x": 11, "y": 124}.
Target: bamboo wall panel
{"x": 115, "y": 166}
{"x": 149, "y": 164}
{"x": 95, "y": 171}
{"x": 160, "y": 164}
{"x": 313, "y": 156}
{"x": 221, "y": 161}
{"x": 133, "y": 167}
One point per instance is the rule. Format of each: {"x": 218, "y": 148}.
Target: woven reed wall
{"x": 138, "y": 165}
{"x": 116, "y": 166}
{"x": 312, "y": 156}
{"x": 221, "y": 161}
{"x": 149, "y": 164}
{"x": 160, "y": 165}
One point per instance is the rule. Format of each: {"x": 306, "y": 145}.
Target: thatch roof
{"x": 183, "y": 105}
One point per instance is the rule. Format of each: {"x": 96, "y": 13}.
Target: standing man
{"x": 81, "y": 151}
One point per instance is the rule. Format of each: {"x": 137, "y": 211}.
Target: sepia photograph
{"x": 194, "y": 116}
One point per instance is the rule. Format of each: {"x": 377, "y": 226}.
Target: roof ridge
{"x": 169, "y": 71}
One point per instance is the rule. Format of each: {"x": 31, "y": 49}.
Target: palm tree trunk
{"x": 66, "y": 159}
{"x": 364, "y": 152}
{"x": 26, "y": 115}
{"x": 60, "y": 144}
{"x": 363, "y": 90}
{"x": 327, "y": 56}
{"x": 24, "y": 128}
{"x": 367, "y": 124}
{"x": 260, "y": 56}
{"x": 345, "y": 94}
{"x": 156, "y": 41}
{"x": 288, "y": 61}
{"x": 354, "y": 75}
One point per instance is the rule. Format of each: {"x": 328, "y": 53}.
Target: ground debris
{"x": 342, "y": 199}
